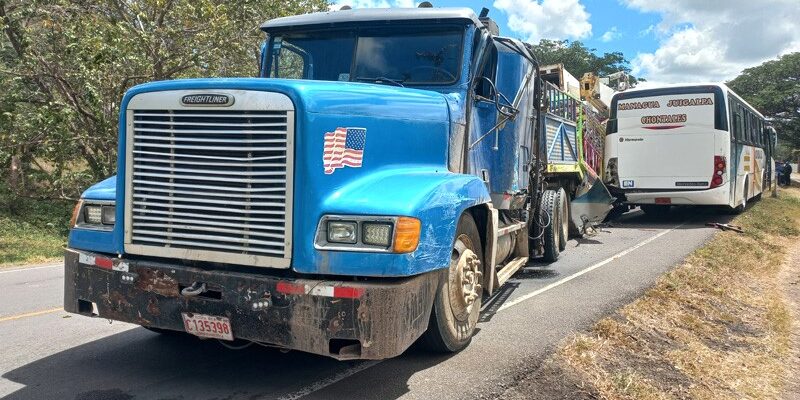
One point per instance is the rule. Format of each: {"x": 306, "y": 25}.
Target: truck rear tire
{"x": 458, "y": 300}
{"x": 552, "y": 232}
{"x": 562, "y": 204}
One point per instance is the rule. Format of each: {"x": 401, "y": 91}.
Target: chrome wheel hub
{"x": 469, "y": 276}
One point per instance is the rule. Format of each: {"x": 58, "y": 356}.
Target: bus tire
{"x": 562, "y": 209}
{"x": 457, "y": 304}
{"x": 551, "y": 232}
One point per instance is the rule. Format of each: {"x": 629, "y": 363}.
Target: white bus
{"x": 687, "y": 145}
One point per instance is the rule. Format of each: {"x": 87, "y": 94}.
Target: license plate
{"x": 208, "y": 326}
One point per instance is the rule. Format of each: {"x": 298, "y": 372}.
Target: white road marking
{"x": 323, "y": 383}
{"x": 20, "y": 269}
{"x": 585, "y": 270}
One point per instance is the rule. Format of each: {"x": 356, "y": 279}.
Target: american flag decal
{"x": 344, "y": 147}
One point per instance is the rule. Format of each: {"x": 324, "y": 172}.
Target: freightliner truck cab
{"x": 380, "y": 177}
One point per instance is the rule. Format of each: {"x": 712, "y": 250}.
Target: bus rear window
{"x": 669, "y": 108}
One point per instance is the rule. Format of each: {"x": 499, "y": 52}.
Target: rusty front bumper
{"x": 371, "y": 321}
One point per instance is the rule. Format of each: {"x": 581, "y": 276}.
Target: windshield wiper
{"x": 379, "y": 79}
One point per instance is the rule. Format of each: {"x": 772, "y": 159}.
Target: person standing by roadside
{"x": 779, "y": 167}
{"x": 787, "y": 173}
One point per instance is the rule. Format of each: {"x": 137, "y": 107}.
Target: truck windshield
{"x": 422, "y": 57}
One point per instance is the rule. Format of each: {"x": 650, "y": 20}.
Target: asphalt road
{"x": 46, "y": 353}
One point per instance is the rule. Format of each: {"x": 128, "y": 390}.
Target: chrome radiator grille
{"x": 210, "y": 185}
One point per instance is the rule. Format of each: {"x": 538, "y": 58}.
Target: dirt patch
{"x": 552, "y": 380}
{"x": 721, "y": 325}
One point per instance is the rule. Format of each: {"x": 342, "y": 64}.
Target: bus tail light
{"x": 719, "y": 171}
{"x": 612, "y": 175}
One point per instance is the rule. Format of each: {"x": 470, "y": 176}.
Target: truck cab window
{"x": 287, "y": 63}
{"x": 399, "y": 56}
{"x": 487, "y": 73}
{"x": 319, "y": 56}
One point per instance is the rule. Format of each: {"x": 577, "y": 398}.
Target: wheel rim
{"x": 465, "y": 287}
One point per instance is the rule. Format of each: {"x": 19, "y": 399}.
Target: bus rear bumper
{"x": 710, "y": 197}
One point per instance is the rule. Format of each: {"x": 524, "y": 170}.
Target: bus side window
{"x": 738, "y": 126}
{"x": 759, "y": 133}
{"x": 748, "y": 126}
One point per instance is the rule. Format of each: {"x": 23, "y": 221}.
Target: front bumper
{"x": 373, "y": 320}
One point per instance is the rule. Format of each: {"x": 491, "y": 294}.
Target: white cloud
{"x": 715, "y": 40}
{"x": 546, "y": 19}
{"x": 610, "y": 35}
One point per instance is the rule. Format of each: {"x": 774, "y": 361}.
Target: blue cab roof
{"x": 373, "y": 15}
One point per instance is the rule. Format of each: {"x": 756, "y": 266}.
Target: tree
{"x": 579, "y": 59}
{"x": 65, "y": 65}
{"x": 773, "y": 88}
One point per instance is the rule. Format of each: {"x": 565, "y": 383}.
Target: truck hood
{"x": 405, "y": 130}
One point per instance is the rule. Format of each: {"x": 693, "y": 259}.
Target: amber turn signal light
{"x": 75, "y": 211}
{"x": 406, "y": 235}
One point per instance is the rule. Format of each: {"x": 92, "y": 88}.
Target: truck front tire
{"x": 458, "y": 299}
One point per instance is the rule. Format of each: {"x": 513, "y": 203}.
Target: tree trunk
{"x": 15, "y": 177}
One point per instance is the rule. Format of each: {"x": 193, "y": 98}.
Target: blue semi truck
{"x": 383, "y": 174}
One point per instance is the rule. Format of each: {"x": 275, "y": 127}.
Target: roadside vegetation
{"x": 718, "y": 326}
{"x": 31, "y": 230}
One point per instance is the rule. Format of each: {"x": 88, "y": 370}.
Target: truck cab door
{"x": 484, "y": 113}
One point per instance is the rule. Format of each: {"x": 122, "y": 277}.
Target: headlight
{"x": 342, "y": 231}
{"x": 377, "y": 233}
{"x": 109, "y": 215}
{"x": 94, "y": 214}
{"x": 368, "y": 233}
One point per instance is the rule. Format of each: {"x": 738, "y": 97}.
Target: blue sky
{"x": 630, "y": 25}
{"x": 667, "y": 41}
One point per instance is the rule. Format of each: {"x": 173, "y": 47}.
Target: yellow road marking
{"x": 30, "y": 314}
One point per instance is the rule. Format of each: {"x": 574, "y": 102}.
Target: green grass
{"x": 32, "y": 230}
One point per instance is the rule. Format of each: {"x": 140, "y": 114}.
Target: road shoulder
{"x": 718, "y": 326}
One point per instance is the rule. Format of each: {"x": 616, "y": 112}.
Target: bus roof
{"x": 725, "y": 89}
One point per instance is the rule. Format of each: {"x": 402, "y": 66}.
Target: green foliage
{"x": 31, "y": 230}
{"x": 65, "y": 65}
{"x": 579, "y": 59}
{"x": 774, "y": 89}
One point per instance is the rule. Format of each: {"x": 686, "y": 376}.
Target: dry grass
{"x": 716, "y": 327}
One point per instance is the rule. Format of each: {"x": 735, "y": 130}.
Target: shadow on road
{"x": 138, "y": 364}
{"x": 691, "y": 217}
